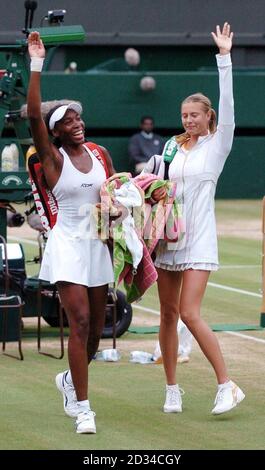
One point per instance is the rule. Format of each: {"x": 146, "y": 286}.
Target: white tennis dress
{"x": 72, "y": 253}
{"x": 196, "y": 173}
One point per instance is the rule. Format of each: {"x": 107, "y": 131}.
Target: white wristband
{"x": 36, "y": 64}
{"x": 152, "y": 201}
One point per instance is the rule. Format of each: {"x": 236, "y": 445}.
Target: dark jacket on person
{"x": 142, "y": 146}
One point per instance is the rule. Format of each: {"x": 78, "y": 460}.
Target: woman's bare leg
{"x": 98, "y": 299}
{"x": 75, "y": 302}
{"x": 169, "y": 284}
{"x": 193, "y": 289}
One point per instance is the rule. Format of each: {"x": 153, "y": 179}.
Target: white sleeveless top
{"x": 73, "y": 253}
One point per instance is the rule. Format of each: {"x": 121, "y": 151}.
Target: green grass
{"x": 128, "y": 400}
{"x": 128, "y": 397}
{"x": 219, "y": 305}
{"x": 238, "y": 209}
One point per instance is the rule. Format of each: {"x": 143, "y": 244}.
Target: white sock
{"x": 83, "y": 405}
{"x": 172, "y": 387}
{"x": 225, "y": 385}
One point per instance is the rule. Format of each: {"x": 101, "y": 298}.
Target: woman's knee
{"x": 189, "y": 317}
{"x": 169, "y": 313}
{"x": 79, "y": 323}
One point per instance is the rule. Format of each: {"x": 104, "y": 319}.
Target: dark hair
{"x": 144, "y": 118}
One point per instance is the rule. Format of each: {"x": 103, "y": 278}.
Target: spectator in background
{"x": 144, "y": 144}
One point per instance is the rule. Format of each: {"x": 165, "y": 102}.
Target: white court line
{"x": 239, "y": 266}
{"x": 224, "y": 266}
{"x": 211, "y": 284}
{"x": 145, "y": 309}
{"x": 233, "y": 289}
{"x": 23, "y": 240}
{"x": 258, "y": 340}
{"x": 240, "y": 335}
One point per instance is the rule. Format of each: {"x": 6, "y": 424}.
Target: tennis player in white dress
{"x": 184, "y": 267}
{"x": 79, "y": 264}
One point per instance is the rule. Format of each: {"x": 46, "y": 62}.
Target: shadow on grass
{"x": 46, "y": 332}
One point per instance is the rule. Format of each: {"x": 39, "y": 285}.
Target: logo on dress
{"x": 86, "y": 185}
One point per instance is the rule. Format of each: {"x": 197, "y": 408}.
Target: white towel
{"x": 129, "y": 196}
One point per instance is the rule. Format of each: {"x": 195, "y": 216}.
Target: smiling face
{"x": 195, "y": 119}
{"x": 70, "y": 129}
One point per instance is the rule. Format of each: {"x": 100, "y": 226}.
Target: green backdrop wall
{"x": 113, "y": 103}
{"x": 115, "y": 100}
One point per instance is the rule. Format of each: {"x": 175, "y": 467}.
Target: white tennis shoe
{"x": 173, "y": 403}
{"x": 65, "y": 385}
{"x": 227, "y": 398}
{"x": 85, "y": 423}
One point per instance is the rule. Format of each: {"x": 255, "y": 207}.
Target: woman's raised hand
{"x": 223, "y": 39}
{"x": 35, "y": 45}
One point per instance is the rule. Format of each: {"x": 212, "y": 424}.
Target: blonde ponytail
{"x": 213, "y": 122}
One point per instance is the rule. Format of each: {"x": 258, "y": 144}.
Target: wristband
{"x": 152, "y": 201}
{"x": 36, "y": 64}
